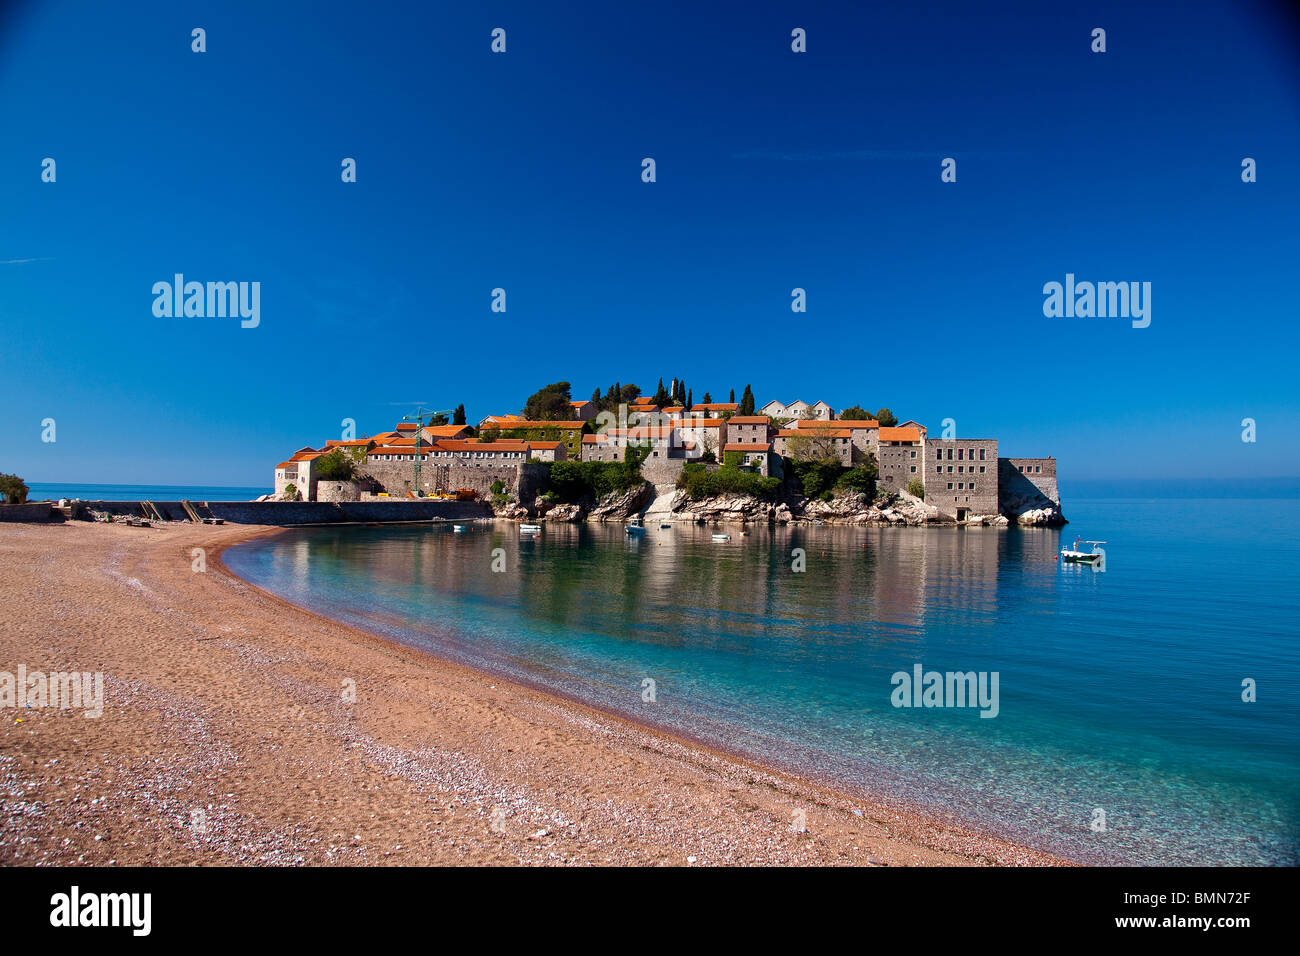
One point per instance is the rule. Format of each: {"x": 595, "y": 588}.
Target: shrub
{"x": 572, "y": 481}
{"x": 498, "y": 487}
{"x": 916, "y": 488}
{"x": 698, "y": 482}
{"x": 290, "y": 492}
{"x": 859, "y": 480}
{"x": 335, "y": 466}
{"x": 13, "y": 489}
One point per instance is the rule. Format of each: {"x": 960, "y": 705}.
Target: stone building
{"x": 961, "y": 476}
{"x": 749, "y": 429}
{"x": 789, "y": 443}
{"x": 798, "y": 409}
{"x": 864, "y": 434}
{"x": 900, "y": 457}
{"x": 752, "y": 456}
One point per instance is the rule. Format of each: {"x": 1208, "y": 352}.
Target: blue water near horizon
{"x": 40, "y": 491}
{"x": 1119, "y": 691}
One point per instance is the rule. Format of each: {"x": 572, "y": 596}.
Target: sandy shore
{"x": 226, "y": 738}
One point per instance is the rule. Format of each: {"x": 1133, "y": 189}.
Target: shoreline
{"x": 503, "y": 773}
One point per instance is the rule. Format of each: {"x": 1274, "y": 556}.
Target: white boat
{"x": 722, "y": 537}
{"x": 460, "y": 528}
{"x": 1083, "y": 557}
{"x": 530, "y": 529}
{"x": 634, "y": 528}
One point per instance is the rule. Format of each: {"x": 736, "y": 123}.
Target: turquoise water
{"x": 40, "y": 491}
{"x": 1118, "y": 691}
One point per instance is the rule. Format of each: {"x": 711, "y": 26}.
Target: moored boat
{"x": 1083, "y": 557}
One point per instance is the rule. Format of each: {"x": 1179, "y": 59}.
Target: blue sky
{"x": 522, "y": 170}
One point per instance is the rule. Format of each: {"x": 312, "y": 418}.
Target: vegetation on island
{"x": 699, "y": 482}
{"x": 335, "y": 466}
{"x": 916, "y": 488}
{"x": 13, "y": 490}
{"x": 550, "y": 403}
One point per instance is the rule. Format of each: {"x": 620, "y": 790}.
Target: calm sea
{"x": 39, "y": 491}
{"x": 1121, "y": 736}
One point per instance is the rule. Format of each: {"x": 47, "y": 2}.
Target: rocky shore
{"x": 670, "y": 504}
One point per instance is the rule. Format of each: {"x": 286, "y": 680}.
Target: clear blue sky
{"x": 522, "y": 170}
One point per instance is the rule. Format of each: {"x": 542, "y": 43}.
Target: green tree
{"x": 856, "y": 413}
{"x": 489, "y": 435}
{"x": 747, "y": 402}
{"x": 916, "y": 488}
{"x": 334, "y": 466}
{"x": 661, "y": 397}
{"x": 459, "y": 417}
{"x": 690, "y": 401}
{"x": 732, "y": 397}
{"x": 549, "y": 404}
{"x": 13, "y": 489}
{"x": 886, "y": 418}
{"x": 707, "y": 399}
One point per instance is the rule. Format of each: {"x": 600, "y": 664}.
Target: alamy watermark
{"x": 212, "y": 300}
{"x": 1101, "y": 300}
{"x": 65, "y": 690}
{"x": 922, "y": 688}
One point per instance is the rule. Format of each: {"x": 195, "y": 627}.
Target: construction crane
{"x": 421, "y": 415}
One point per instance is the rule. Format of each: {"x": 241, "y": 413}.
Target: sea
{"x": 40, "y": 491}
{"x": 1146, "y": 713}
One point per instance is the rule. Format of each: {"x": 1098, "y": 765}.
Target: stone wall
{"x": 338, "y": 491}
{"x": 1027, "y": 483}
{"x": 39, "y": 511}
{"x": 970, "y": 466}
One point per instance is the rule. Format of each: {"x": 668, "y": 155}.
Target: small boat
{"x": 460, "y": 528}
{"x": 1083, "y": 557}
{"x": 722, "y": 537}
{"x": 634, "y": 529}
{"x": 530, "y": 529}
{"x": 665, "y": 524}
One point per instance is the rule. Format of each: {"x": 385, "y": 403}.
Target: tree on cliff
{"x": 747, "y": 401}
{"x": 549, "y": 404}
{"x": 886, "y": 418}
{"x": 459, "y": 417}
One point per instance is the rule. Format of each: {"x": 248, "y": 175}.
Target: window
{"x": 959, "y": 451}
{"x": 950, "y": 454}
{"x": 914, "y": 468}
{"x": 960, "y": 469}
{"x": 961, "y": 485}
{"x": 950, "y": 486}
{"x": 914, "y": 455}
{"x": 981, "y": 454}
{"x": 1038, "y": 468}
{"x": 981, "y": 469}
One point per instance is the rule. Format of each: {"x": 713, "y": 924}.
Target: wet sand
{"x": 228, "y": 737}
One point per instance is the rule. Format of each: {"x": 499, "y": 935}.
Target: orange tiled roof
{"x": 829, "y": 433}
{"x": 748, "y": 420}
{"x": 524, "y": 423}
{"x": 700, "y": 423}
{"x": 445, "y": 431}
{"x": 747, "y": 446}
{"x": 674, "y": 409}
{"x": 305, "y": 455}
{"x": 899, "y": 434}
{"x": 283, "y": 464}
{"x": 406, "y": 426}
{"x": 837, "y": 423}
{"x": 352, "y": 443}
{"x": 719, "y": 406}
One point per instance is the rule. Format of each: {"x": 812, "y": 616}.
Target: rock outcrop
{"x": 620, "y": 507}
